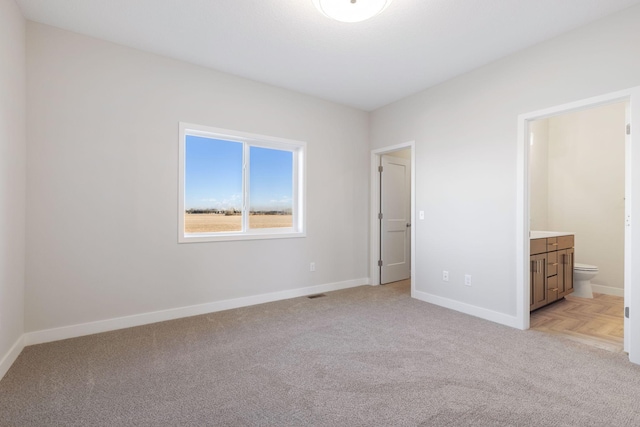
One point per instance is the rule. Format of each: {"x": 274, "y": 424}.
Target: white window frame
{"x": 298, "y": 148}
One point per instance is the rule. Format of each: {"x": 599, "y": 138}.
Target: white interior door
{"x": 395, "y": 232}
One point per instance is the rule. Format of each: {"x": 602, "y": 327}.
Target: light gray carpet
{"x": 368, "y": 356}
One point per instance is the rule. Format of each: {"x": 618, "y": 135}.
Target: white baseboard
{"x": 11, "y": 356}
{"x": 483, "y": 313}
{"x": 607, "y": 290}
{"x": 73, "y": 331}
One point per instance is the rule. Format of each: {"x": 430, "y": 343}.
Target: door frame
{"x": 632, "y": 203}
{"x": 374, "y": 231}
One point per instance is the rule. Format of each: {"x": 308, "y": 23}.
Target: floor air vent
{"x": 316, "y": 296}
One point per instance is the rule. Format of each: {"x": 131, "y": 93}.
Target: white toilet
{"x": 582, "y": 275}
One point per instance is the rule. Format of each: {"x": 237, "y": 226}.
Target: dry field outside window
{"x": 216, "y": 223}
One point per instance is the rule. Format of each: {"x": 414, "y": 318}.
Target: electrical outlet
{"x": 445, "y": 276}
{"x": 467, "y": 280}
{"x": 312, "y": 266}
{"x": 421, "y": 214}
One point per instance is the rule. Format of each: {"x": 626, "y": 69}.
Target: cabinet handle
{"x": 553, "y": 289}
{"x": 555, "y": 263}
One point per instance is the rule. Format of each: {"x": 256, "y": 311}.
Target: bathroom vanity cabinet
{"x": 551, "y": 269}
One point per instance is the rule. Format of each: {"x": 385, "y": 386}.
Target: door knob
{"x": 408, "y": 224}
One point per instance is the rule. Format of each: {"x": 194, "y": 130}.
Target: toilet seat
{"x": 584, "y": 267}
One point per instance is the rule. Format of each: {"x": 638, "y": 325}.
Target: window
{"x": 236, "y": 186}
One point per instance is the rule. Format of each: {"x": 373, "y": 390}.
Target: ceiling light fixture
{"x": 351, "y": 10}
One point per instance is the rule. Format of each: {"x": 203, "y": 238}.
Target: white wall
{"x": 539, "y": 175}
{"x": 12, "y": 180}
{"x": 586, "y": 187}
{"x": 102, "y": 199}
{"x": 466, "y": 155}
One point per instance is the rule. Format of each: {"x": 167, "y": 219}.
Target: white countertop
{"x": 545, "y": 234}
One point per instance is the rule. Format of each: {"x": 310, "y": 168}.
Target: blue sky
{"x": 213, "y": 175}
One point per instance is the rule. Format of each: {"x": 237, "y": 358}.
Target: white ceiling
{"x": 412, "y": 45}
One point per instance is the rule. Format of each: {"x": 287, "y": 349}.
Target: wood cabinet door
{"x": 538, "y": 280}
{"x": 565, "y": 272}
{"x": 552, "y": 288}
{"x": 562, "y": 264}
{"x": 552, "y": 263}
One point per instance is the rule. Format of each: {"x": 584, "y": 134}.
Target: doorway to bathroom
{"x": 576, "y": 176}
{"x": 577, "y": 187}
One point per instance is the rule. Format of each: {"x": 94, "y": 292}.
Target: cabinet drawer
{"x": 552, "y": 244}
{"x": 552, "y": 263}
{"x": 538, "y": 246}
{"x": 565, "y": 242}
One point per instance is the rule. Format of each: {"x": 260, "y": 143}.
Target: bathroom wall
{"x": 584, "y": 187}
{"x": 538, "y": 175}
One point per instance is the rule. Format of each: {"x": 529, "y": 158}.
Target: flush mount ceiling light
{"x": 351, "y": 10}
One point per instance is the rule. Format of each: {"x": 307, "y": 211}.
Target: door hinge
{"x": 380, "y": 168}
{"x": 629, "y": 129}
{"x": 380, "y": 263}
{"x": 626, "y": 312}
{"x": 380, "y": 215}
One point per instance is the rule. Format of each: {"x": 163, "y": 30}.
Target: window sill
{"x": 226, "y": 237}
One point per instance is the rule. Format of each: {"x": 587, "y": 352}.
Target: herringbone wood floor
{"x": 597, "y": 322}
